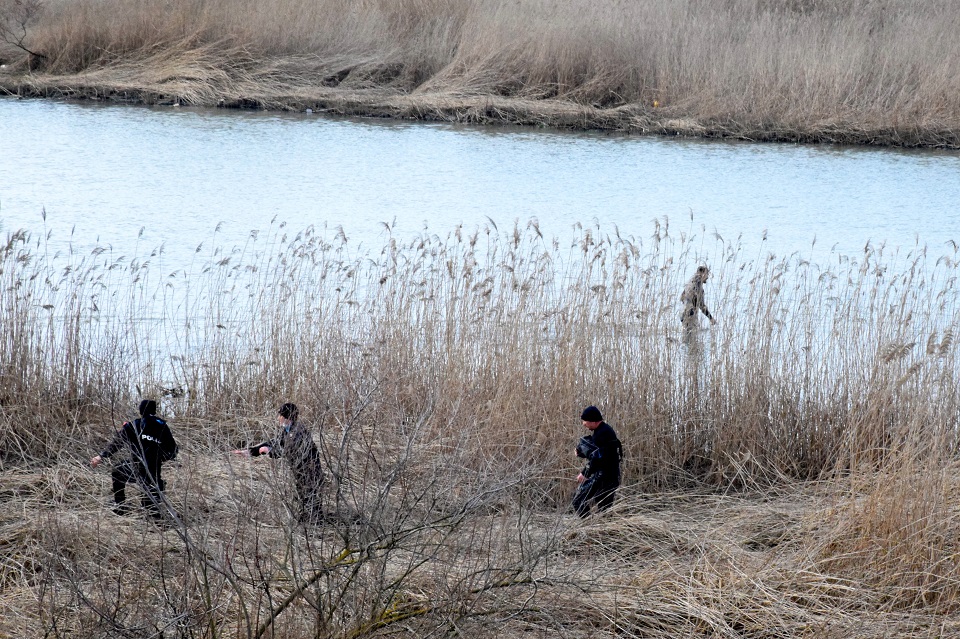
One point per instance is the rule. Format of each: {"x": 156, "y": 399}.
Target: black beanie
{"x": 591, "y": 414}
{"x": 289, "y": 411}
{"x": 148, "y": 407}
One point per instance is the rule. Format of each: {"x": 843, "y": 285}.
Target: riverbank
{"x": 480, "y": 109}
{"x": 859, "y": 72}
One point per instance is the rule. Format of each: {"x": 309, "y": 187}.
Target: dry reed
{"x": 862, "y": 71}
{"x": 789, "y": 472}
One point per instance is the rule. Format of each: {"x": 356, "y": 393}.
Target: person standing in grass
{"x": 295, "y": 443}
{"x": 693, "y": 300}
{"x": 150, "y": 443}
{"x": 600, "y": 477}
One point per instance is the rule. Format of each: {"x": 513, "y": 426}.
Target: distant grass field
{"x": 792, "y": 472}
{"x": 858, "y": 71}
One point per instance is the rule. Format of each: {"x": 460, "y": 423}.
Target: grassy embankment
{"x": 856, "y": 71}
{"x": 796, "y": 478}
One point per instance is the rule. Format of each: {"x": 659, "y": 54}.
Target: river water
{"x": 124, "y": 177}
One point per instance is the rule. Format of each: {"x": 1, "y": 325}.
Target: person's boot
{"x": 154, "y": 507}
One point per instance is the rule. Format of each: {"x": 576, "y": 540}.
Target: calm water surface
{"x": 103, "y": 174}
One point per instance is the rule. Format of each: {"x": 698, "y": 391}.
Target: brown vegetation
{"x": 860, "y": 71}
{"x": 791, "y": 474}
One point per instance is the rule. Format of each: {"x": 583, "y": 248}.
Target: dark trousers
{"x": 130, "y": 471}
{"x": 594, "y": 488}
{"x": 310, "y": 497}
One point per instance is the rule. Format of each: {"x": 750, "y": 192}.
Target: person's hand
{"x": 95, "y": 461}
{"x": 243, "y": 452}
{"x": 581, "y": 478}
{"x": 265, "y": 450}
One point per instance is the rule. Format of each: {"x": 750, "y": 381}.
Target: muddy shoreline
{"x": 488, "y": 109}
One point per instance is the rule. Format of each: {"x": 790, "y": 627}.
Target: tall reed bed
{"x": 812, "y": 369}
{"x": 444, "y": 375}
{"x": 869, "y": 71}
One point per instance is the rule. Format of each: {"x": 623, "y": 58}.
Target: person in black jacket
{"x": 150, "y": 443}
{"x": 295, "y": 443}
{"x": 600, "y": 477}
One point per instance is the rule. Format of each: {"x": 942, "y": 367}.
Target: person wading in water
{"x": 693, "y": 301}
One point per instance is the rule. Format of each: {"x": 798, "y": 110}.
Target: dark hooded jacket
{"x": 149, "y": 441}
{"x": 602, "y": 451}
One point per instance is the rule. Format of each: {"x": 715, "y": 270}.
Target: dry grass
{"x": 863, "y": 71}
{"x": 791, "y": 473}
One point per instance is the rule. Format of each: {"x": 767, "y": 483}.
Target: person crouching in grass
{"x": 600, "y": 477}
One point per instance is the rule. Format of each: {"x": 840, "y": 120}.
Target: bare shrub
{"x": 17, "y": 20}
{"x": 411, "y": 538}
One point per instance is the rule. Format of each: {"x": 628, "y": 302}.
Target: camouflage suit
{"x": 693, "y": 299}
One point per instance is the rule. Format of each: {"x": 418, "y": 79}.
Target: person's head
{"x": 591, "y": 417}
{"x": 702, "y": 274}
{"x": 288, "y": 412}
{"x": 148, "y": 407}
